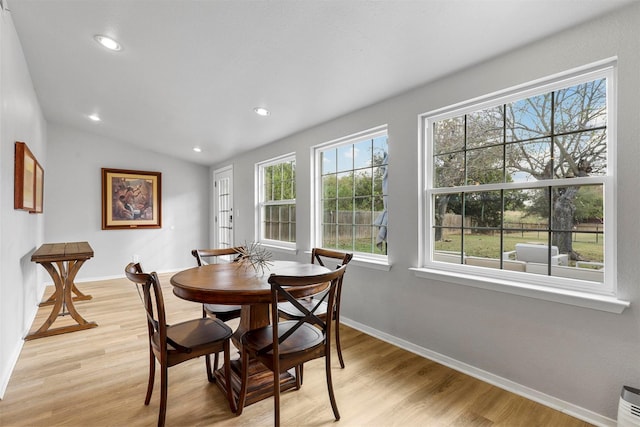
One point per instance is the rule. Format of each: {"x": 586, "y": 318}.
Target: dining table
{"x": 238, "y": 283}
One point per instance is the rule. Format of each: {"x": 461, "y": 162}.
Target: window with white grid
{"x": 277, "y": 201}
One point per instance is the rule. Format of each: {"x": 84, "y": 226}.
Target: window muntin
{"x": 352, "y": 194}
{"x": 277, "y": 201}
{"x": 526, "y": 170}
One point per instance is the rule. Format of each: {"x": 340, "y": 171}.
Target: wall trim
{"x": 503, "y": 383}
{"x": 10, "y": 366}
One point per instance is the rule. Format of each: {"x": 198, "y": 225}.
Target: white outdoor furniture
{"x": 529, "y": 258}
{"x": 532, "y": 252}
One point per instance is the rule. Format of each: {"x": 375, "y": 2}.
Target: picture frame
{"x": 24, "y": 194}
{"x": 131, "y": 199}
{"x": 39, "y": 190}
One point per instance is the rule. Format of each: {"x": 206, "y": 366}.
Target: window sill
{"x": 283, "y": 249}
{"x": 580, "y": 299}
{"x": 382, "y": 265}
{"x": 360, "y": 261}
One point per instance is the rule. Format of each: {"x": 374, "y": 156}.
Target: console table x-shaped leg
{"x": 62, "y": 262}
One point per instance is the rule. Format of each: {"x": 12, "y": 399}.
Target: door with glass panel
{"x": 223, "y": 207}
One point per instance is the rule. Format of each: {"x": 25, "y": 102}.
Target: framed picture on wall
{"x": 131, "y": 199}
{"x": 39, "y": 190}
{"x": 24, "y": 188}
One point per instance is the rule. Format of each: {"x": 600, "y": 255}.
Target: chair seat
{"x": 199, "y": 332}
{"x": 221, "y": 308}
{"x": 198, "y": 335}
{"x": 221, "y": 311}
{"x": 290, "y": 311}
{"x": 305, "y": 338}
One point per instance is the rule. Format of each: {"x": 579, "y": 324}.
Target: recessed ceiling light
{"x": 107, "y": 42}
{"x": 261, "y": 111}
{"x": 197, "y": 149}
{"x": 95, "y": 117}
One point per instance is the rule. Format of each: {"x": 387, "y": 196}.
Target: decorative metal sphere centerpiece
{"x": 255, "y": 256}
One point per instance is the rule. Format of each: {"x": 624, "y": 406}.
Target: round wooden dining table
{"x": 239, "y": 284}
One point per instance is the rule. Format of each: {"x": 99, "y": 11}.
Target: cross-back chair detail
{"x": 174, "y": 344}
{"x": 290, "y": 343}
{"x": 290, "y": 311}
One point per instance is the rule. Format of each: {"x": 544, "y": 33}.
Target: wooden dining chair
{"x": 223, "y": 312}
{"x": 290, "y": 343}
{"x": 288, "y": 311}
{"x": 174, "y": 344}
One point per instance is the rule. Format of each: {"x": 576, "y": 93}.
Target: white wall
{"x": 571, "y": 357}
{"x": 20, "y": 232}
{"x": 73, "y": 204}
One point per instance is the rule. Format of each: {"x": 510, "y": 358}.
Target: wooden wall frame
{"x": 131, "y": 199}
{"x": 28, "y": 189}
{"x": 39, "y": 190}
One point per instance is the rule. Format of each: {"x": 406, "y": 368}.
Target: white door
{"x": 223, "y": 207}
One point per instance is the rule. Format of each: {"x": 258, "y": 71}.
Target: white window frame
{"x": 376, "y": 261}
{"x": 260, "y": 203}
{"x": 569, "y": 291}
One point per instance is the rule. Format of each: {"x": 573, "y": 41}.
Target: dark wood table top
{"x": 231, "y": 283}
{"x": 51, "y": 252}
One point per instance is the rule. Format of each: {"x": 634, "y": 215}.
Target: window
{"x": 277, "y": 201}
{"x": 518, "y": 186}
{"x": 351, "y": 194}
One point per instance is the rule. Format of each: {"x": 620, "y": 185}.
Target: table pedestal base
{"x": 260, "y": 384}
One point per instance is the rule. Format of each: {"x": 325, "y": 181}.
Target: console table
{"x": 62, "y": 261}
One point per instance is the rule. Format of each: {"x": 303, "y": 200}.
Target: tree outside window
{"x": 531, "y": 170}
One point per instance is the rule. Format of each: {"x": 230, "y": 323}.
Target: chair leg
{"x": 227, "y": 375}
{"x": 298, "y": 372}
{"x": 276, "y": 394}
{"x": 242, "y": 395}
{"x": 338, "y": 348}
{"x": 332, "y": 397}
{"x": 152, "y": 375}
{"x": 210, "y": 373}
{"x": 301, "y": 373}
{"x": 163, "y": 395}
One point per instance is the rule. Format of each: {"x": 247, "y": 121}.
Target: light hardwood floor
{"x": 98, "y": 377}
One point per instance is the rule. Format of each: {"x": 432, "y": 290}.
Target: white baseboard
{"x": 10, "y": 366}
{"x": 503, "y": 383}
{"x": 5, "y": 375}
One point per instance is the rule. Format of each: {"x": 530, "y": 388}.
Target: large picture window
{"x": 520, "y": 187}
{"x": 351, "y": 194}
{"x": 277, "y": 201}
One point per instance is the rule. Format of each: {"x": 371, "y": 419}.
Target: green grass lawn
{"x": 487, "y": 246}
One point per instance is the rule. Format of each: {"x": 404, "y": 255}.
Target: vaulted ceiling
{"x": 191, "y": 72}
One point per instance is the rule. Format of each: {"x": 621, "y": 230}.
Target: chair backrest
{"x": 202, "y": 255}
{"x": 321, "y": 255}
{"x": 318, "y": 256}
{"x": 280, "y": 286}
{"x": 154, "y": 306}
